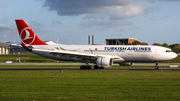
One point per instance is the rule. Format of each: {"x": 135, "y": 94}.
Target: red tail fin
{"x": 28, "y": 37}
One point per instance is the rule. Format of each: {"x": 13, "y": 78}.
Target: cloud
{"x": 159, "y": 0}
{"x": 77, "y": 7}
{"x": 8, "y": 32}
{"x": 169, "y": 0}
{"x": 37, "y": 27}
{"x": 3, "y": 20}
{"x": 3, "y": 5}
{"x": 99, "y": 13}
{"x": 7, "y": 28}
{"x": 56, "y": 23}
{"x": 114, "y": 16}
{"x": 119, "y": 12}
{"x": 105, "y": 24}
{"x": 127, "y": 11}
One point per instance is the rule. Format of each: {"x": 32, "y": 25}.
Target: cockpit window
{"x": 168, "y": 50}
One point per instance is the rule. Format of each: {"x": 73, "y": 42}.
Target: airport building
{"x": 123, "y": 41}
{"x": 18, "y": 50}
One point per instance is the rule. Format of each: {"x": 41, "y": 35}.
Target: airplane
{"x": 100, "y": 55}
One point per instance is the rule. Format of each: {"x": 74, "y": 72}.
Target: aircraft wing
{"x": 77, "y": 55}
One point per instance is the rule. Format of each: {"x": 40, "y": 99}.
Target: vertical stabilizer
{"x": 28, "y": 37}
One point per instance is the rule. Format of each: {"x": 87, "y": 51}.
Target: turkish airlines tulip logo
{"x": 27, "y": 36}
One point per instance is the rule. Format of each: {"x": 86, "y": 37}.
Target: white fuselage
{"x": 128, "y": 53}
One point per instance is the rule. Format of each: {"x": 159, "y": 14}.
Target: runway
{"x": 135, "y": 64}
{"x": 65, "y": 69}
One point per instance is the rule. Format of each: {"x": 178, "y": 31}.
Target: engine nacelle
{"x": 126, "y": 64}
{"x": 104, "y": 62}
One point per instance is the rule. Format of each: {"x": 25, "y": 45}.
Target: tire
{"x": 88, "y": 67}
{"x": 101, "y": 67}
{"x": 95, "y": 67}
{"x": 156, "y": 67}
{"x": 82, "y": 67}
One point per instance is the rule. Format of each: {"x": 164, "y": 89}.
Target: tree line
{"x": 175, "y": 47}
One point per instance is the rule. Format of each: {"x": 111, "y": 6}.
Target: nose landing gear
{"x": 156, "y": 67}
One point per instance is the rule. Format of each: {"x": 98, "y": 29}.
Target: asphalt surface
{"x": 135, "y": 64}
{"x": 66, "y": 69}
{"x": 54, "y": 69}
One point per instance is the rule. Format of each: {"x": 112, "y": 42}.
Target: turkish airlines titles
{"x": 141, "y": 49}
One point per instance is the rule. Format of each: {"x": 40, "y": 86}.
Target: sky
{"x": 72, "y": 21}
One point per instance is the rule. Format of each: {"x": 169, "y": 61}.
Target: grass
{"x": 85, "y": 85}
{"x": 27, "y": 58}
{"x": 89, "y": 86}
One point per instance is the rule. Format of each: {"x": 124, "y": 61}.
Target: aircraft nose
{"x": 169, "y": 56}
{"x": 174, "y": 55}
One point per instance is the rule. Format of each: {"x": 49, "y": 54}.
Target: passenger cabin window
{"x": 168, "y": 50}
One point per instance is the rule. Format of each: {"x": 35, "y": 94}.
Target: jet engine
{"x": 126, "y": 64}
{"x": 104, "y": 62}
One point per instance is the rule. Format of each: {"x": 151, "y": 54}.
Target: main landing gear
{"x": 89, "y": 67}
{"x": 156, "y": 67}
{"x": 85, "y": 67}
{"x": 96, "y": 67}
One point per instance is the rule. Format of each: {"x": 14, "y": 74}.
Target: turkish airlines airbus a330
{"x": 101, "y": 55}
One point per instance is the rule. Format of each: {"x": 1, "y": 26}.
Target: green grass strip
{"x": 89, "y": 86}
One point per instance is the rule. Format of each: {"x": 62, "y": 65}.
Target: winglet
{"x": 28, "y": 37}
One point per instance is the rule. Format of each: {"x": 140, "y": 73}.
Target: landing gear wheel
{"x": 82, "y": 67}
{"x": 156, "y": 67}
{"x": 85, "y": 67}
{"x": 88, "y": 67}
{"x": 95, "y": 67}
